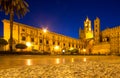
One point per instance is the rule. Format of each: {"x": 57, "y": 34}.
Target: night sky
{"x": 67, "y": 16}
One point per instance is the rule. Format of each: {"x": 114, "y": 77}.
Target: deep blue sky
{"x": 67, "y": 16}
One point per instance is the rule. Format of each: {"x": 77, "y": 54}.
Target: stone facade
{"x": 101, "y": 48}
{"x": 112, "y": 35}
{"x": 93, "y": 41}
{"x": 49, "y": 41}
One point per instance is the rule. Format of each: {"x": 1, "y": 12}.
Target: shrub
{"x": 74, "y": 51}
{"x": 3, "y": 42}
{"x": 21, "y": 46}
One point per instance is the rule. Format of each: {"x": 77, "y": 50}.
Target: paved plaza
{"x": 60, "y": 66}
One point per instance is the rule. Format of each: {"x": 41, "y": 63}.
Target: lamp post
{"x": 44, "y": 31}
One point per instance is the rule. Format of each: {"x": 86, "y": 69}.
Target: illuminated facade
{"x": 103, "y": 42}
{"x": 87, "y": 29}
{"x": 90, "y": 36}
{"x": 37, "y": 39}
{"x": 112, "y": 35}
{"x": 88, "y": 33}
{"x": 90, "y": 41}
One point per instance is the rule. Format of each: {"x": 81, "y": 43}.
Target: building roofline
{"x": 37, "y": 28}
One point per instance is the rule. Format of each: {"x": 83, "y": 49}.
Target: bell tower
{"x": 87, "y": 25}
{"x": 97, "y": 30}
{"x": 87, "y": 29}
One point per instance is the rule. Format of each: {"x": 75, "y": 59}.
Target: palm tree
{"x": 12, "y": 7}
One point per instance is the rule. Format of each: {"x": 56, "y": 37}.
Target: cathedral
{"x": 88, "y": 33}
{"x": 96, "y": 41}
{"x": 89, "y": 36}
{"x": 91, "y": 40}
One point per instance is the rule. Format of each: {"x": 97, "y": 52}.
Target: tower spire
{"x": 87, "y": 18}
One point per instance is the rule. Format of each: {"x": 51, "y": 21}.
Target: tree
{"x": 3, "y": 43}
{"x": 21, "y": 46}
{"x": 12, "y": 7}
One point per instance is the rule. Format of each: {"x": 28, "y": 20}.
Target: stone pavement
{"x": 91, "y": 69}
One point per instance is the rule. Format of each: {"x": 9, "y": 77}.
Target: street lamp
{"x": 28, "y": 44}
{"x": 44, "y": 31}
{"x": 57, "y": 49}
{"x": 63, "y": 51}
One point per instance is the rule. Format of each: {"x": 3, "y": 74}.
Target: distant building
{"x": 87, "y": 32}
{"x": 91, "y": 41}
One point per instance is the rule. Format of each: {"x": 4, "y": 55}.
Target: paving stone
{"x": 91, "y": 69}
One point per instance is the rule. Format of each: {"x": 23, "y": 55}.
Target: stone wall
{"x": 101, "y": 48}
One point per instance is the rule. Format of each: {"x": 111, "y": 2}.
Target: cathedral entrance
{"x": 89, "y": 44}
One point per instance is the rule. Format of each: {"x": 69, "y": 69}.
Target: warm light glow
{"x": 71, "y": 48}
{"x": 72, "y": 60}
{"x": 56, "y": 47}
{"x": 84, "y": 50}
{"x": 84, "y": 59}
{"x": 89, "y": 29}
{"x": 85, "y": 24}
{"x": 89, "y": 34}
{"x": 28, "y": 44}
{"x": 63, "y": 51}
{"x": 44, "y": 30}
{"x": 63, "y": 60}
{"x": 57, "y": 61}
{"x": 28, "y": 62}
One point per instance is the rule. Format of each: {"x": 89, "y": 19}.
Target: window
{"x": 47, "y": 42}
{"x": 96, "y": 30}
{"x": 64, "y": 44}
{"x": 40, "y": 33}
{"x": 23, "y": 30}
{"x": 58, "y": 43}
{"x": 69, "y": 44}
{"x": 72, "y": 45}
{"x": 32, "y": 39}
{"x": 53, "y": 43}
{"x": 76, "y": 46}
{"x": 23, "y": 38}
{"x": 40, "y": 41}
